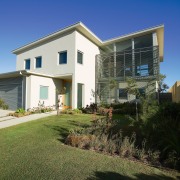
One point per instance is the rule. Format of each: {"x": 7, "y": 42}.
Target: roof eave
{"x": 160, "y": 35}
{"x": 77, "y": 26}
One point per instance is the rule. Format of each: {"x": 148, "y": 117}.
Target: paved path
{"x": 7, "y": 121}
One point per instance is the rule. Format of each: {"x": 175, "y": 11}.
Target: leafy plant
{"x": 20, "y": 110}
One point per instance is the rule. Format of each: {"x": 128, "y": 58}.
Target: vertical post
{"x": 114, "y": 47}
{"x": 133, "y": 59}
{"x": 96, "y": 72}
{"x": 136, "y": 111}
{"x": 115, "y": 73}
{"x": 124, "y": 66}
{"x": 155, "y": 57}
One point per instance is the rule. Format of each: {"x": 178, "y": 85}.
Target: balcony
{"x": 141, "y": 64}
{"x": 136, "y": 63}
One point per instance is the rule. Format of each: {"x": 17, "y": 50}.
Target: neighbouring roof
{"x": 90, "y": 35}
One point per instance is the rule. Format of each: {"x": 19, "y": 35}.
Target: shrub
{"x": 81, "y": 141}
{"x": 127, "y": 146}
{"x": 41, "y": 109}
{"x": 20, "y": 110}
{"x": 3, "y": 105}
{"x": 77, "y": 111}
{"x": 159, "y": 125}
{"x": 71, "y": 111}
{"x": 20, "y": 113}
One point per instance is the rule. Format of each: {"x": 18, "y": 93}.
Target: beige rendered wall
{"x": 175, "y": 90}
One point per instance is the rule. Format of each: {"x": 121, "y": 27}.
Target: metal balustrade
{"x": 141, "y": 64}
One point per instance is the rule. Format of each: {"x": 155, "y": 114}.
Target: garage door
{"x": 11, "y": 92}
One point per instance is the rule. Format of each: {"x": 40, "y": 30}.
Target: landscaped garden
{"x": 37, "y": 150}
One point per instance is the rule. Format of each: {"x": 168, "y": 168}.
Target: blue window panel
{"x": 38, "y": 62}
{"x": 63, "y": 57}
{"x": 142, "y": 70}
{"x": 27, "y": 64}
{"x": 43, "y": 92}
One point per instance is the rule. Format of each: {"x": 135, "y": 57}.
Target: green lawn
{"x": 35, "y": 150}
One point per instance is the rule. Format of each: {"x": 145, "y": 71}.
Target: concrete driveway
{"x": 4, "y": 112}
{"x": 7, "y": 121}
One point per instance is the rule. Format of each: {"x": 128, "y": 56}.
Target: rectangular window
{"x": 122, "y": 94}
{"x": 79, "y": 95}
{"x": 141, "y": 93}
{"x": 63, "y": 57}
{"x": 27, "y": 64}
{"x": 38, "y": 62}
{"x": 44, "y": 92}
{"x": 80, "y": 57}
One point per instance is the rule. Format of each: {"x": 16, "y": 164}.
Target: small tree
{"x": 162, "y": 85}
{"x": 133, "y": 89}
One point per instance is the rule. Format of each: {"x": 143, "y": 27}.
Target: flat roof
{"x": 79, "y": 26}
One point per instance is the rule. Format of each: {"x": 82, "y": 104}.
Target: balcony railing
{"x": 142, "y": 62}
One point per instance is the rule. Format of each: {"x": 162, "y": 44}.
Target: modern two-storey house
{"x": 75, "y": 65}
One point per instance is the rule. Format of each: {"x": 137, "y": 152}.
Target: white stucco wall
{"x": 85, "y": 73}
{"x": 33, "y": 91}
{"x": 81, "y": 73}
{"x": 50, "y": 57}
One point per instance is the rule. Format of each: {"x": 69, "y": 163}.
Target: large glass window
{"x": 80, "y": 57}
{"x": 44, "y": 92}
{"x": 122, "y": 94}
{"x": 63, "y": 57}
{"x": 124, "y": 45}
{"x": 38, "y": 62}
{"x": 27, "y": 64}
{"x": 143, "y": 41}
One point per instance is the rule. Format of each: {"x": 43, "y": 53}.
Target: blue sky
{"x": 24, "y": 21}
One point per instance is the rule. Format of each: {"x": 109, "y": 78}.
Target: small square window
{"x": 122, "y": 94}
{"x": 44, "y": 92}
{"x": 80, "y": 57}
{"x": 63, "y": 57}
{"x": 141, "y": 93}
{"x": 27, "y": 64}
{"x": 38, "y": 62}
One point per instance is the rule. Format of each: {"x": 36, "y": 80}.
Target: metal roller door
{"x": 11, "y": 92}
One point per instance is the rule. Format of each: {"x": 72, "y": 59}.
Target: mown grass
{"x": 35, "y": 150}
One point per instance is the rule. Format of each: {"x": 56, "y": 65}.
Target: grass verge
{"x": 35, "y": 150}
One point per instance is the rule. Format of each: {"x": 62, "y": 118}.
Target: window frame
{"x": 59, "y": 60}
{"x": 29, "y": 64}
{"x": 40, "y": 92}
{"x": 82, "y": 57}
{"x": 123, "y": 97}
{"x": 36, "y": 58}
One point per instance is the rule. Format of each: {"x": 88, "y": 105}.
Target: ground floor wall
{"x": 41, "y": 91}
{"x": 75, "y": 93}
{"x": 108, "y": 92}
